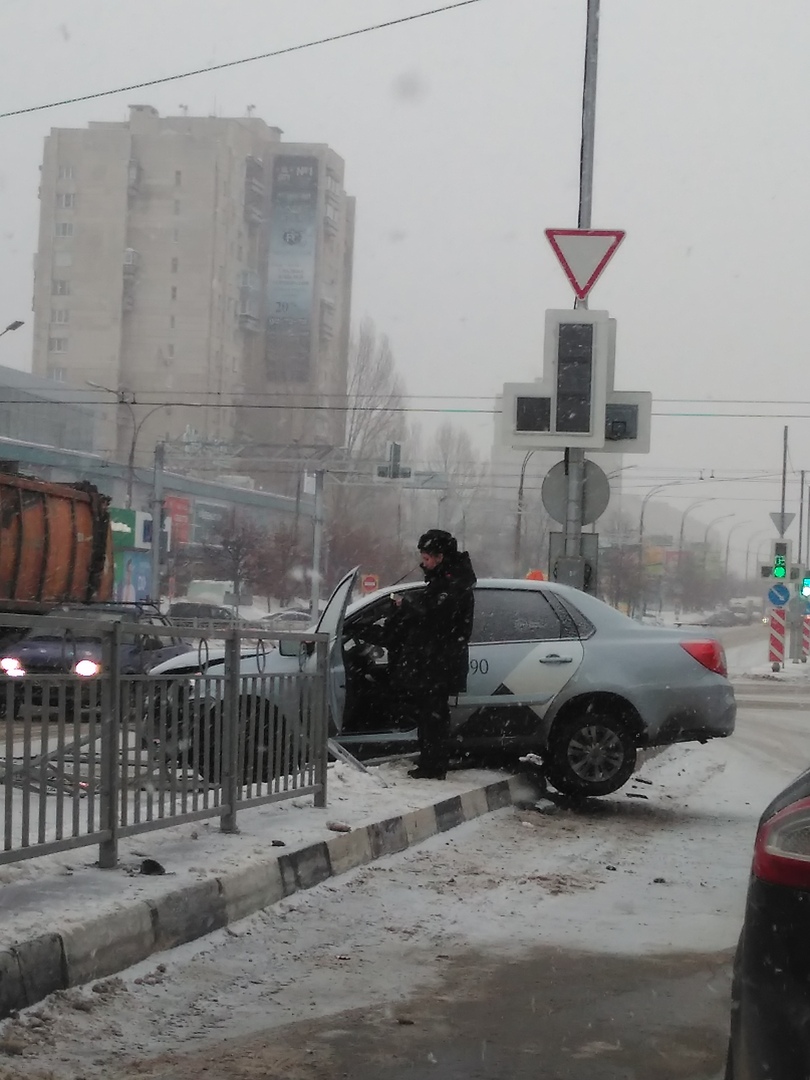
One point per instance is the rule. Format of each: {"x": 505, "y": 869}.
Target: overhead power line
{"x": 244, "y": 60}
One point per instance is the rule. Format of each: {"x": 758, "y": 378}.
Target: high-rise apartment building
{"x": 197, "y": 260}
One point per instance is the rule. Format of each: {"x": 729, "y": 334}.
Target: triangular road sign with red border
{"x": 584, "y": 254}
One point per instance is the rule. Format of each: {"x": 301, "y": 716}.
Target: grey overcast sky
{"x": 461, "y": 139}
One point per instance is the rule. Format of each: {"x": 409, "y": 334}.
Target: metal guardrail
{"x": 87, "y": 760}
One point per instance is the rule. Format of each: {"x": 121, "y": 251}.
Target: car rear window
{"x": 516, "y": 615}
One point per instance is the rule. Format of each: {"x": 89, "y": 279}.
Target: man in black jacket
{"x": 427, "y": 638}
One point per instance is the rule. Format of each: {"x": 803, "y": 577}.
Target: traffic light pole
{"x": 574, "y": 456}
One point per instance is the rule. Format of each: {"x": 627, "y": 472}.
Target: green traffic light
{"x": 779, "y": 572}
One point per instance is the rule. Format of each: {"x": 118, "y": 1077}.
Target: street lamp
{"x": 731, "y": 532}
{"x": 653, "y": 491}
{"x": 752, "y": 540}
{"x": 12, "y": 326}
{"x": 121, "y": 395}
{"x": 709, "y": 527}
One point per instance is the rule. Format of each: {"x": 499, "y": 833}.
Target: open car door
{"x": 331, "y": 623}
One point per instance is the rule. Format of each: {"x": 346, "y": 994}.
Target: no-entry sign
{"x": 370, "y": 583}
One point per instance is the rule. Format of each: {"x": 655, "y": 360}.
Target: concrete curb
{"x": 109, "y": 943}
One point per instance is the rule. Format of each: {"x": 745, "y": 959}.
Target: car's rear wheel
{"x": 592, "y": 752}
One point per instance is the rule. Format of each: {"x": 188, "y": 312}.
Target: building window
{"x": 57, "y": 344}
{"x": 174, "y": 292}
{"x": 175, "y": 264}
{"x": 60, "y": 315}
{"x": 177, "y": 206}
{"x": 171, "y": 322}
{"x": 65, "y": 200}
{"x": 58, "y": 374}
{"x": 64, "y": 228}
{"x": 65, "y": 172}
{"x": 170, "y": 351}
{"x": 62, "y": 258}
{"x": 178, "y": 178}
{"x": 60, "y": 287}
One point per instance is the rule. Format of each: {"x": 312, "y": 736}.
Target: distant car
{"x": 188, "y": 612}
{"x": 290, "y": 619}
{"x": 49, "y": 650}
{"x": 770, "y": 1003}
{"x": 552, "y": 672}
{"x": 725, "y": 617}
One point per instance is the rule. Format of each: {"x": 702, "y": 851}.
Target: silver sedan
{"x": 552, "y": 672}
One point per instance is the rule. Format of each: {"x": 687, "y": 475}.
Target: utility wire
{"x": 244, "y": 60}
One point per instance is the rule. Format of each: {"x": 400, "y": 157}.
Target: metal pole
{"x": 801, "y": 516}
{"x": 131, "y": 459}
{"x": 575, "y": 456}
{"x": 784, "y": 477}
{"x": 588, "y": 117}
{"x": 157, "y": 507}
{"x": 519, "y": 514}
{"x": 317, "y": 544}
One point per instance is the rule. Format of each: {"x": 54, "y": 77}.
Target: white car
{"x": 552, "y": 672}
{"x": 288, "y": 619}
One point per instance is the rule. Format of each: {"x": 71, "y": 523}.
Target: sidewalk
{"x": 64, "y": 922}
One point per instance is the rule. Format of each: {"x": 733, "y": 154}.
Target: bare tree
{"x": 375, "y": 392}
{"x": 237, "y": 538}
{"x": 363, "y": 514}
{"x": 274, "y": 562}
{"x": 452, "y": 454}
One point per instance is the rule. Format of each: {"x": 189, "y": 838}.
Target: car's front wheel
{"x": 592, "y": 752}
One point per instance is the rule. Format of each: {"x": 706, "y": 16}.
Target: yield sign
{"x": 782, "y": 520}
{"x": 584, "y": 254}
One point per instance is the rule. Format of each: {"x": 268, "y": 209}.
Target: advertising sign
{"x": 292, "y": 247}
{"x": 179, "y": 510}
{"x": 133, "y": 574}
{"x": 208, "y": 520}
{"x": 122, "y": 525}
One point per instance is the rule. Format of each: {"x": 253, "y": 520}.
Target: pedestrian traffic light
{"x": 780, "y": 562}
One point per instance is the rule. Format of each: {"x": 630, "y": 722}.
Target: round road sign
{"x": 370, "y": 583}
{"x": 595, "y": 496}
{"x": 778, "y": 595}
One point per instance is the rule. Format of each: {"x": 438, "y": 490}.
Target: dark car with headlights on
{"x": 59, "y": 663}
{"x": 770, "y": 994}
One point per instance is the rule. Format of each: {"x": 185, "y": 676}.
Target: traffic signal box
{"x": 780, "y": 561}
{"x": 781, "y": 570}
{"x": 574, "y": 404}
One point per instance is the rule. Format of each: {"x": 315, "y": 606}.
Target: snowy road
{"x": 642, "y": 889}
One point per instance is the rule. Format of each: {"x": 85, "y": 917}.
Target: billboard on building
{"x": 291, "y": 262}
{"x": 179, "y": 510}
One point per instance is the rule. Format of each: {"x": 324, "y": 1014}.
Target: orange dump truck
{"x": 55, "y": 544}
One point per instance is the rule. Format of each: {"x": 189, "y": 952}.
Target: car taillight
{"x": 782, "y": 847}
{"x": 709, "y": 653}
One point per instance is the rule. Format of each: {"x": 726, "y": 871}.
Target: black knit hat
{"x": 437, "y": 542}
